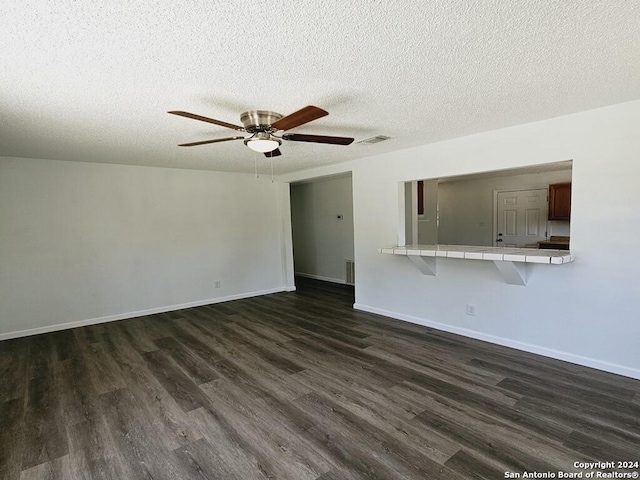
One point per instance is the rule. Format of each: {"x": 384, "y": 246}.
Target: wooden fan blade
{"x": 298, "y": 137}
{"x": 193, "y": 144}
{"x": 274, "y": 153}
{"x": 207, "y": 119}
{"x": 302, "y": 116}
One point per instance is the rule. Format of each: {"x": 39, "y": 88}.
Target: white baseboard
{"x": 140, "y": 313}
{"x": 324, "y": 279}
{"x": 547, "y": 352}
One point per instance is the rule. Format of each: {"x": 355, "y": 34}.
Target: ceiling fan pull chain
{"x": 255, "y": 163}
{"x": 271, "y": 169}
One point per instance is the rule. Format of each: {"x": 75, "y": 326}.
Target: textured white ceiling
{"x": 92, "y": 80}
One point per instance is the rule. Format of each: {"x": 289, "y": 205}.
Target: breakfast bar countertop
{"x": 470, "y": 252}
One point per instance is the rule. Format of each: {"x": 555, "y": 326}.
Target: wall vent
{"x": 376, "y": 139}
{"x": 351, "y": 272}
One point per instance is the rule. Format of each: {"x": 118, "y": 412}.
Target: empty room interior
{"x": 319, "y": 241}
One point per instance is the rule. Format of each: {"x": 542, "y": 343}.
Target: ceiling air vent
{"x": 376, "y": 139}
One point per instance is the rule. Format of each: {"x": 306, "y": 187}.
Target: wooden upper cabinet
{"x": 560, "y": 201}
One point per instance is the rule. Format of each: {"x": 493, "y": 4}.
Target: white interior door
{"x": 521, "y": 218}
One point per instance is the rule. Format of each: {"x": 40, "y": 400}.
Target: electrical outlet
{"x": 217, "y": 284}
{"x": 471, "y": 310}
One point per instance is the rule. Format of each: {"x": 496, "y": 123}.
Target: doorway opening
{"x": 322, "y": 230}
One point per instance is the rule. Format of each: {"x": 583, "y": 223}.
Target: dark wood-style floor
{"x": 298, "y": 386}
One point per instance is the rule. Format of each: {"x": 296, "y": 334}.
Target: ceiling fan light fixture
{"x": 262, "y": 142}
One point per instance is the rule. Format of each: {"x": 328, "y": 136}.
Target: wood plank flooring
{"x": 298, "y": 386}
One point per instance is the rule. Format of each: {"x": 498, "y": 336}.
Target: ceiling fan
{"x": 266, "y": 129}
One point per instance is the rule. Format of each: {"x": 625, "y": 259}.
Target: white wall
{"x": 86, "y": 242}
{"x": 466, "y": 207}
{"x": 585, "y": 312}
{"x": 321, "y": 241}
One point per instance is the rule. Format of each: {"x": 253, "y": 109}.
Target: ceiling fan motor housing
{"x": 259, "y": 120}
